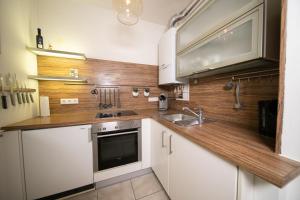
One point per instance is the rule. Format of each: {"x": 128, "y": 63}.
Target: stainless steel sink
{"x": 178, "y": 117}
{"x": 185, "y": 120}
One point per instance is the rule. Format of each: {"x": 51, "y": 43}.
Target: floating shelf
{"x": 56, "y": 53}
{"x": 106, "y": 86}
{"x": 57, "y": 78}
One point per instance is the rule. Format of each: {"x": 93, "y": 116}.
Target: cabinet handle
{"x": 203, "y": 70}
{"x": 90, "y": 135}
{"x": 163, "y": 139}
{"x": 170, "y": 147}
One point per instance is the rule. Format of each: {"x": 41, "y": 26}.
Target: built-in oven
{"x": 116, "y": 144}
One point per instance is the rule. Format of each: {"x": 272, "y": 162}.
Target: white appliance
{"x": 167, "y": 58}
{"x": 57, "y": 160}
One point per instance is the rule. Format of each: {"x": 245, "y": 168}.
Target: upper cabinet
{"x": 210, "y": 14}
{"x": 227, "y": 33}
{"x": 167, "y": 58}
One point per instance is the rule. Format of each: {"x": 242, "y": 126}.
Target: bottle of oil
{"x": 39, "y": 39}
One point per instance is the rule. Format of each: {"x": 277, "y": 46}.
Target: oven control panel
{"x": 115, "y": 126}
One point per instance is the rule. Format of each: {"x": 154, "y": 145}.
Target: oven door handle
{"x": 124, "y": 133}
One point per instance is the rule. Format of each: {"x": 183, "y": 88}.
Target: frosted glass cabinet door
{"x": 239, "y": 41}
{"x": 208, "y": 17}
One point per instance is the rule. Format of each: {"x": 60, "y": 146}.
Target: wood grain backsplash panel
{"x": 218, "y": 103}
{"x": 101, "y": 72}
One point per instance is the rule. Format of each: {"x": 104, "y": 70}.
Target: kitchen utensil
{"x": 11, "y": 89}
{"x": 237, "y": 104}
{"x": 110, "y": 103}
{"x": 100, "y": 97}
{"x": 119, "y": 100}
{"x": 105, "y": 96}
{"x": 94, "y": 92}
{"x": 26, "y": 94}
{"x": 114, "y": 97}
{"x": 31, "y": 97}
{"x": 3, "y": 96}
{"x": 23, "y": 94}
{"x": 16, "y": 84}
{"x": 229, "y": 85}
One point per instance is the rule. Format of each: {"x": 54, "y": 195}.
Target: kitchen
{"x": 176, "y": 100}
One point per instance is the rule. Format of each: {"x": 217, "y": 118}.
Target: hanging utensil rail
{"x": 251, "y": 75}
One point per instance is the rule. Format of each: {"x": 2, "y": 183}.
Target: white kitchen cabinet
{"x": 209, "y": 16}
{"x": 238, "y": 41}
{"x": 11, "y": 167}
{"x": 57, "y": 160}
{"x": 167, "y": 58}
{"x": 196, "y": 173}
{"x": 159, "y": 153}
{"x": 188, "y": 171}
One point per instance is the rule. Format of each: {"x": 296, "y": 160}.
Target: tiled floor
{"x": 144, "y": 187}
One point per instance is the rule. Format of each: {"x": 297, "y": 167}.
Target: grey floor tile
{"x": 85, "y": 196}
{"x": 120, "y": 191}
{"x": 161, "y": 195}
{"x": 145, "y": 185}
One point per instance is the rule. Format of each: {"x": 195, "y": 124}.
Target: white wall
{"x": 14, "y": 58}
{"x": 84, "y": 26}
{"x": 291, "y": 119}
{"x": 14, "y": 34}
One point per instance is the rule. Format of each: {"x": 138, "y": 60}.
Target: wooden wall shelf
{"x": 58, "y": 78}
{"x": 56, "y": 53}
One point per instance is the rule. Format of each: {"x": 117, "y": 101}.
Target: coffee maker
{"x": 163, "y": 102}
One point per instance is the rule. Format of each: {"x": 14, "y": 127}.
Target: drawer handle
{"x": 163, "y": 139}
{"x": 170, "y": 148}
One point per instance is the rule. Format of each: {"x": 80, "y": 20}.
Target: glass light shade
{"x": 128, "y": 11}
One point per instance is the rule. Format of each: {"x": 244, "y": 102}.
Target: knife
{"x": 23, "y": 95}
{"x": 26, "y": 94}
{"x": 31, "y": 97}
{"x": 18, "y": 89}
{"x": 3, "y": 96}
{"x": 11, "y": 90}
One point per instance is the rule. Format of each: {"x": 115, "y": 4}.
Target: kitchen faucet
{"x": 198, "y": 114}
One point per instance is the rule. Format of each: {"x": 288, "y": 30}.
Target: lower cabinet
{"x": 57, "y": 160}
{"x": 12, "y": 185}
{"x": 188, "y": 171}
{"x": 159, "y": 153}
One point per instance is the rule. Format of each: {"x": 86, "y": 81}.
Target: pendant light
{"x": 128, "y": 11}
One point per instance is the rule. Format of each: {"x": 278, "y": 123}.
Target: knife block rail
{"x": 20, "y": 90}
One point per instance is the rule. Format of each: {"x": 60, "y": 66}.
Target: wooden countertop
{"x": 238, "y": 145}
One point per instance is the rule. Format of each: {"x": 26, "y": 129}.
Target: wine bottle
{"x": 39, "y": 39}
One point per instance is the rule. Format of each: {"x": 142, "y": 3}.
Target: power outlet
{"x": 152, "y": 99}
{"x": 69, "y": 101}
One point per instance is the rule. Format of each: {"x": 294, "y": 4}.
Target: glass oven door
{"x": 118, "y": 148}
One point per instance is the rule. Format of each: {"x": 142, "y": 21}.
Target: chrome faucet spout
{"x": 199, "y": 115}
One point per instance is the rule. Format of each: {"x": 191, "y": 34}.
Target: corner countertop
{"x": 243, "y": 147}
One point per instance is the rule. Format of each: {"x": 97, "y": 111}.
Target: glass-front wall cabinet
{"x": 219, "y": 34}
{"x": 210, "y": 14}
{"x": 238, "y": 41}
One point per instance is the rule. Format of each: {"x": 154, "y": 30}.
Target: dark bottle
{"x": 39, "y": 39}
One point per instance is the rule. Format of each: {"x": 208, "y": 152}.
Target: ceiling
{"x": 156, "y": 11}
